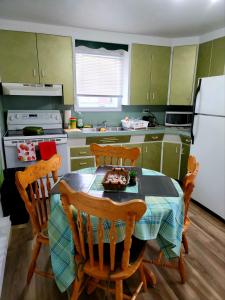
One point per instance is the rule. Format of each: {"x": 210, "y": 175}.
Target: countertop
{"x": 152, "y": 130}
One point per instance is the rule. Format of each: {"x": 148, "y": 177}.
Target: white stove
{"x": 49, "y": 120}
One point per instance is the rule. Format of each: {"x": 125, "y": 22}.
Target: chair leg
{"x": 119, "y": 289}
{"x": 32, "y": 266}
{"x": 78, "y": 285}
{"x": 150, "y": 276}
{"x": 181, "y": 268}
{"x": 185, "y": 242}
{"x": 92, "y": 285}
{"x": 143, "y": 278}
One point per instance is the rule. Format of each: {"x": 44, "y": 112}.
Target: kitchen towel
{"x": 47, "y": 149}
{"x": 26, "y": 151}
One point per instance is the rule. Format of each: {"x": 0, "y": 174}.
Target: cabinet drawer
{"x": 81, "y": 163}
{"x": 185, "y": 139}
{"x": 154, "y": 137}
{"x": 81, "y": 151}
{"x": 108, "y": 139}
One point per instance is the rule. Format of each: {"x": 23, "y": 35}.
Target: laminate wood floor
{"x": 205, "y": 267}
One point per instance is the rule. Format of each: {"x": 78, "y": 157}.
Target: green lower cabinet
{"x": 114, "y": 139}
{"x": 171, "y": 158}
{"x": 151, "y": 155}
{"x": 139, "y": 161}
{"x": 184, "y": 160}
{"x": 81, "y": 163}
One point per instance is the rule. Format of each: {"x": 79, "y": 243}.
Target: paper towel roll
{"x": 67, "y": 116}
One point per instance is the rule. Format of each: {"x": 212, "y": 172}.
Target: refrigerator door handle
{"x": 194, "y": 106}
{"x": 195, "y": 127}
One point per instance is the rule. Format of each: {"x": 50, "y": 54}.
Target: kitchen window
{"x": 101, "y": 75}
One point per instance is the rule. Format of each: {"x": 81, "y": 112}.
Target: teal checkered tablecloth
{"x": 163, "y": 221}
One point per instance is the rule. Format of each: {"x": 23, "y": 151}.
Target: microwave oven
{"x": 178, "y": 119}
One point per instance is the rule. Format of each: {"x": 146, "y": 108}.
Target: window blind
{"x": 99, "y": 72}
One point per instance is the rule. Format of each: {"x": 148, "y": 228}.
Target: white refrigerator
{"x": 208, "y": 144}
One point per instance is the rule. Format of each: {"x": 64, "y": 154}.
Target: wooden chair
{"x": 114, "y": 155}
{"x": 98, "y": 269}
{"x": 188, "y": 187}
{"x": 34, "y": 187}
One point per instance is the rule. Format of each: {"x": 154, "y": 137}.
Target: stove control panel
{"x": 43, "y": 118}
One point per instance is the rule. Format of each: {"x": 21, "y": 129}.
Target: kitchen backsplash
{"x": 113, "y": 118}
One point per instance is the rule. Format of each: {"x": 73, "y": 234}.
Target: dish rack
{"x": 134, "y": 124}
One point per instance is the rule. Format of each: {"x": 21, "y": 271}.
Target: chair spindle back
{"x": 115, "y": 155}
{"x": 34, "y": 186}
{"x": 107, "y": 212}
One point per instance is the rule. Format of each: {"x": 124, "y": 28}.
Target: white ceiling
{"x": 165, "y": 18}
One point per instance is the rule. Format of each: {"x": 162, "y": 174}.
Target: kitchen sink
{"x": 97, "y": 129}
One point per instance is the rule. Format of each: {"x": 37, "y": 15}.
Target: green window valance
{"x": 97, "y": 45}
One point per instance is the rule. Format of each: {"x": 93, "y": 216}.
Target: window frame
{"x": 120, "y": 98}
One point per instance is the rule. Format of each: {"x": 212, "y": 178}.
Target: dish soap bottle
{"x": 79, "y": 120}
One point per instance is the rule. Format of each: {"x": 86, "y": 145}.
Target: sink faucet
{"x": 104, "y": 124}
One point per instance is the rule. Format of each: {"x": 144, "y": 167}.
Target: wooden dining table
{"x": 162, "y": 221}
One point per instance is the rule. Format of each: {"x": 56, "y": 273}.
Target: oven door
{"x": 12, "y": 161}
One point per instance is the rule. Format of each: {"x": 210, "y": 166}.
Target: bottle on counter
{"x": 67, "y": 116}
{"x": 73, "y": 123}
{"x": 80, "y": 121}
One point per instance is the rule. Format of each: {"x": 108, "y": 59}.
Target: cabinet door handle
{"x": 153, "y": 95}
{"x": 146, "y": 149}
{"x": 147, "y": 95}
{"x": 155, "y": 138}
{"x": 82, "y": 152}
{"x": 176, "y": 149}
{"x": 83, "y": 164}
{"x": 34, "y": 72}
{"x": 42, "y": 73}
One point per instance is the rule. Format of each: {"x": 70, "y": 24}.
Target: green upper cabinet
{"x": 211, "y": 58}
{"x": 55, "y": 62}
{"x": 183, "y": 74}
{"x": 204, "y": 58}
{"x": 37, "y": 58}
{"x": 140, "y": 75}
{"x": 159, "y": 79}
{"x": 149, "y": 74}
{"x": 218, "y": 57}
{"x": 18, "y": 57}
